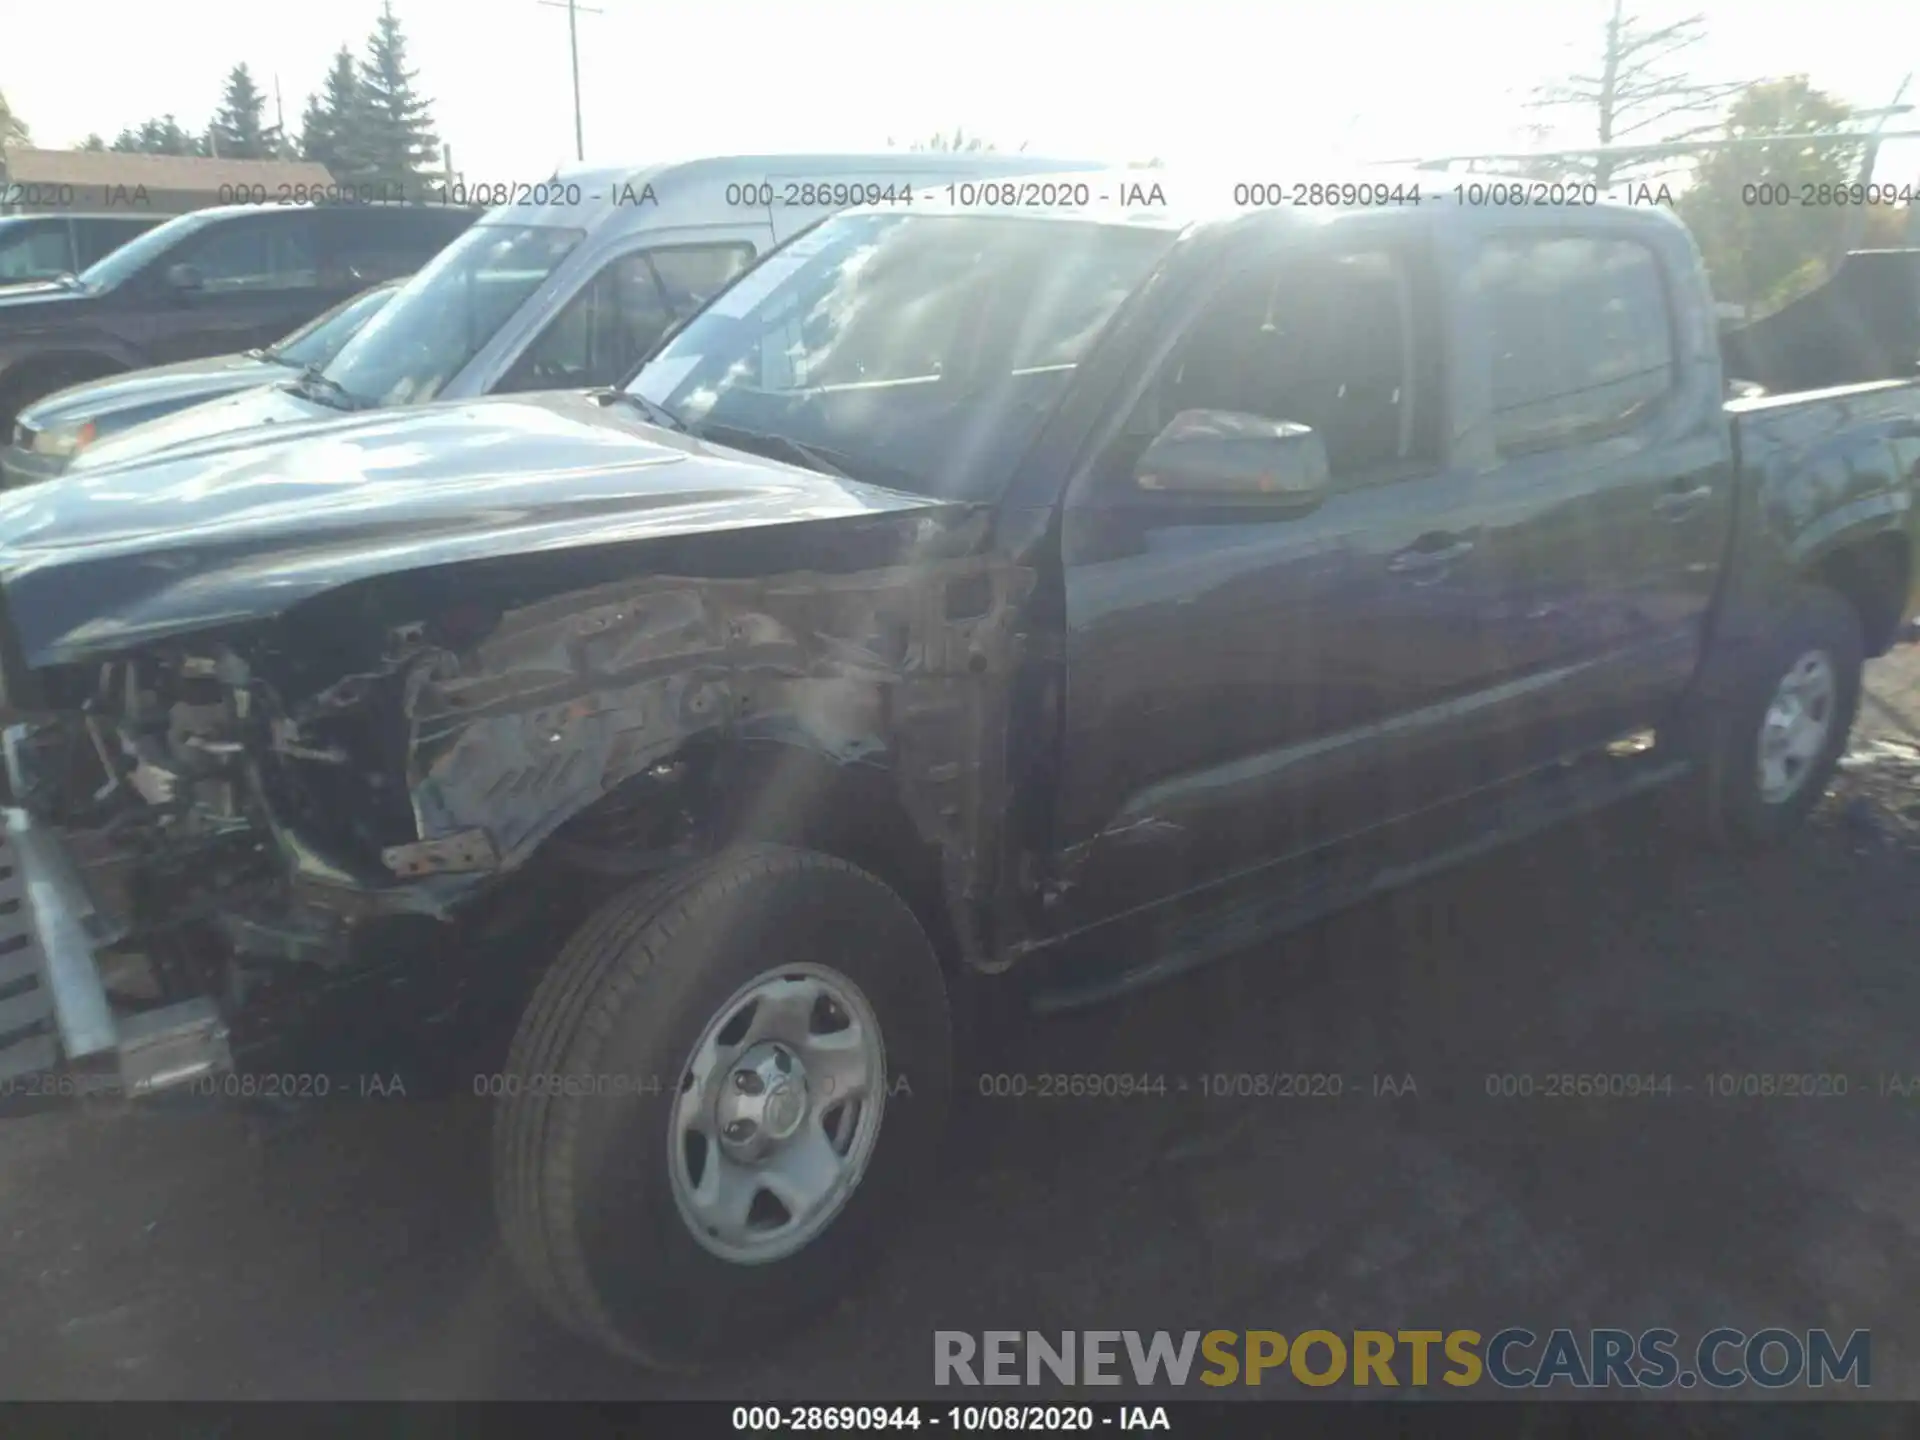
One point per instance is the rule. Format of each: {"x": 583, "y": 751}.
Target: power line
{"x": 573, "y": 44}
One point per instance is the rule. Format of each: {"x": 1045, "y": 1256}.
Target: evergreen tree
{"x": 13, "y": 130}
{"x": 93, "y": 142}
{"x": 391, "y": 139}
{"x": 326, "y": 129}
{"x": 164, "y": 136}
{"x": 240, "y": 130}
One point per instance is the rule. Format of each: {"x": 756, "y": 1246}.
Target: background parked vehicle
{"x": 54, "y": 429}
{"x": 986, "y": 596}
{"x": 45, "y": 247}
{"x": 574, "y": 289}
{"x": 207, "y": 283}
{"x": 1863, "y": 324}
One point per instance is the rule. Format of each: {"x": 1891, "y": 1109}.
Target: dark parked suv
{"x": 209, "y": 283}
{"x": 45, "y": 247}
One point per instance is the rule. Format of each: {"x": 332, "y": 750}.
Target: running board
{"x": 1551, "y": 800}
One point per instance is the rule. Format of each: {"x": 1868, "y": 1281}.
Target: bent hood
{"x": 221, "y": 414}
{"x": 94, "y": 561}
{"x": 136, "y": 395}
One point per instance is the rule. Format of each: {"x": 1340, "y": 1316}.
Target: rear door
{"x": 259, "y": 278}
{"x": 607, "y": 328}
{"x": 1606, "y": 465}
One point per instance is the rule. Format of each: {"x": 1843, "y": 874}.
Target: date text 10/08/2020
{"x": 963, "y": 1418}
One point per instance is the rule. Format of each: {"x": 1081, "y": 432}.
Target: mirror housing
{"x": 184, "y": 277}
{"x": 1226, "y": 455}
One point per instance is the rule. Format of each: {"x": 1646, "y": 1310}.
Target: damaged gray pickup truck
{"x": 1051, "y": 598}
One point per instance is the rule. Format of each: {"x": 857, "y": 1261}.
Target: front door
{"x": 258, "y": 279}
{"x": 1246, "y": 686}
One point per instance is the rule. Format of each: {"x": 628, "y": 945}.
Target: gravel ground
{"x": 196, "y": 1256}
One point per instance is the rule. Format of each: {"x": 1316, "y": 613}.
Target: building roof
{"x": 173, "y": 173}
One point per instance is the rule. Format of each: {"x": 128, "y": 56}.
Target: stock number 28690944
{"x": 1070, "y": 1087}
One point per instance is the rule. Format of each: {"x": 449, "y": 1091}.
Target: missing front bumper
{"x": 56, "y": 1018}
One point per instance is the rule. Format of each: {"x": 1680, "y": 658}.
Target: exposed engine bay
{"x": 263, "y": 810}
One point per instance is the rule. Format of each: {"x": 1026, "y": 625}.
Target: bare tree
{"x": 1642, "y": 95}
{"x": 13, "y": 130}
{"x": 958, "y": 141}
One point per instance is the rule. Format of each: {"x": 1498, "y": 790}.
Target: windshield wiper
{"x": 652, "y": 409}
{"x": 311, "y": 383}
{"x": 814, "y": 457}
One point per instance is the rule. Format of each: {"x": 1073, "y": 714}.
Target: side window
{"x": 35, "y": 251}
{"x": 607, "y": 328}
{"x": 366, "y": 246}
{"x": 1341, "y": 342}
{"x": 100, "y": 238}
{"x": 1580, "y": 335}
{"x": 256, "y": 254}
{"x": 691, "y": 275}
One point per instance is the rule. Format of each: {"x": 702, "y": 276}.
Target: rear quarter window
{"x": 369, "y": 244}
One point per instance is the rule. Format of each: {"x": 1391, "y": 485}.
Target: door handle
{"x": 1428, "y": 557}
{"x": 1680, "y": 504}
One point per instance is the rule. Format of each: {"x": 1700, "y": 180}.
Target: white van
{"x": 572, "y": 283}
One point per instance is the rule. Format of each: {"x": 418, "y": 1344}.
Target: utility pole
{"x": 572, "y": 8}
{"x": 1856, "y": 215}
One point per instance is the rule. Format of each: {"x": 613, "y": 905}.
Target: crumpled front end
{"x": 204, "y": 832}
{"x": 61, "y": 1033}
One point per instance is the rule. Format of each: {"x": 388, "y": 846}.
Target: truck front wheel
{"x": 1773, "y": 749}
{"x": 716, "y": 1100}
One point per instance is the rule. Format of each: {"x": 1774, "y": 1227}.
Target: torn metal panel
{"x": 568, "y": 698}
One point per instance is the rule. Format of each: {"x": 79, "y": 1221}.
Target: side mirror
{"x": 1227, "y": 455}
{"x": 184, "y": 277}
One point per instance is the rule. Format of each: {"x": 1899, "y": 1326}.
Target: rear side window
{"x": 99, "y": 238}
{"x": 266, "y": 252}
{"x": 35, "y": 250}
{"x": 366, "y": 245}
{"x": 1580, "y": 335}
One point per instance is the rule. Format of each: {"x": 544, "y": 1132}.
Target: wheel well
{"x": 1874, "y": 577}
{"x": 777, "y": 794}
{"x": 789, "y": 796}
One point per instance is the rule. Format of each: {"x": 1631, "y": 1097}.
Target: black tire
{"x": 1725, "y": 803}
{"x": 586, "y": 1204}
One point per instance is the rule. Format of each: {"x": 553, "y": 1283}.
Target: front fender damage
{"x": 566, "y": 700}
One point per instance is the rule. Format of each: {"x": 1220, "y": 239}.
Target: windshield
{"x": 132, "y": 257}
{"x": 318, "y": 341}
{"x": 923, "y": 351}
{"x": 438, "y": 321}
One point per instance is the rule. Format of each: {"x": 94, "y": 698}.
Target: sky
{"x": 1215, "y": 85}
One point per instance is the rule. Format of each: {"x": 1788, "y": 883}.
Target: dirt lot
{"x": 351, "y": 1255}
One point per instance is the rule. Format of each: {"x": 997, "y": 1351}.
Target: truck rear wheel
{"x": 720, "y": 1094}
{"x": 1772, "y": 751}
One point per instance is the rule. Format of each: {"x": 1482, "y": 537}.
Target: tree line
{"x": 1771, "y": 219}
{"x": 368, "y": 123}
